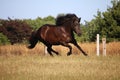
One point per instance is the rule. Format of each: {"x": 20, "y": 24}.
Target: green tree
{"x": 49, "y": 20}
{"x": 38, "y": 22}
{"x": 3, "y": 39}
{"x": 16, "y": 30}
{"x": 107, "y": 24}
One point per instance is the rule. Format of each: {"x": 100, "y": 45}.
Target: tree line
{"x": 14, "y": 31}
{"x": 107, "y": 24}
{"x": 19, "y": 31}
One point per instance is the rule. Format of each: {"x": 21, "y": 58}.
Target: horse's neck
{"x": 67, "y": 29}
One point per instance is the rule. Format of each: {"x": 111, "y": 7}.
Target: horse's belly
{"x": 57, "y": 40}
{"x": 52, "y": 40}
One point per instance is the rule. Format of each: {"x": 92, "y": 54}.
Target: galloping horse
{"x": 59, "y": 34}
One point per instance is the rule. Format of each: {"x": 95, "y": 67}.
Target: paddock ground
{"x": 19, "y": 63}
{"x": 45, "y": 67}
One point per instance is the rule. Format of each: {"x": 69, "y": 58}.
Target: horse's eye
{"x": 76, "y": 23}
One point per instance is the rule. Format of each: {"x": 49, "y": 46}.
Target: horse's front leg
{"x": 75, "y": 43}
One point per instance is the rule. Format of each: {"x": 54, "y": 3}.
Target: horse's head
{"x": 70, "y": 21}
{"x": 76, "y": 25}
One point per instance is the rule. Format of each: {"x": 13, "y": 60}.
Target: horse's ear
{"x": 79, "y": 19}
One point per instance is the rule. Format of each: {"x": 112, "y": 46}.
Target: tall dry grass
{"x": 35, "y": 67}
{"x": 112, "y": 48}
{"x": 59, "y": 68}
{"x": 20, "y": 49}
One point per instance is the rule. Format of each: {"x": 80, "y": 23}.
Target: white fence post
{"x": 98, "y": 49}
{"x": 104, "y": 46}
{"x": 45, "y": 50}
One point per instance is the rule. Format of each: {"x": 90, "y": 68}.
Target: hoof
{"x": 86, "y": 54}
{"x": 68, "y": 54}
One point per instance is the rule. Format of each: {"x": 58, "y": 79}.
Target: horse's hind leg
{"x": 49, "y": 51}
{"x": 70, "y": 48}
{"x": 55, "y": 52}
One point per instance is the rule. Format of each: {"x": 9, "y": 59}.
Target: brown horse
{"x": 59, "y": 34}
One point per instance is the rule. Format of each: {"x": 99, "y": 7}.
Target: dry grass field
{"x": 112, "y": 48}
{"x": 19, "y": 63}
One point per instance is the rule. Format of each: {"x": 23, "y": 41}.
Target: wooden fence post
{"x": 104, "y": 46}
{"x": 98, "y": 50}
{"x": 45, "y": 50}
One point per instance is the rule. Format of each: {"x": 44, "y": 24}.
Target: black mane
{"x": 63, "y": 19}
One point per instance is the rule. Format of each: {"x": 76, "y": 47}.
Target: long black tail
{"x": 33, "y": 40}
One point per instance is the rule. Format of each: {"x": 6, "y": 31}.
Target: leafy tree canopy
{"x": 107, "y": 24}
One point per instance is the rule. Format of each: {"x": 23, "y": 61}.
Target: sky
{"x": 31, "y": 9}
